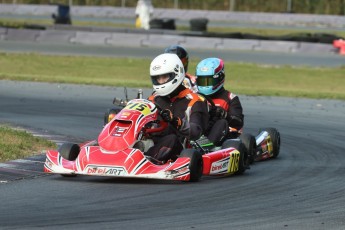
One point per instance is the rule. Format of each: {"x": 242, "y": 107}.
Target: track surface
{"x": 259, "y": 57}
{"x": 302, "y": 189}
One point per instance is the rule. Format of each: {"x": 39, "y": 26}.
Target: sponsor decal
{"x": 156, "y": 67}
{"x": 125, "y": 114}
{"x": 179, "y": 171}
{"x": 218, "y": 167}
{"x": 119, "y": 131}
{"x": 105, "y": 170}
{"x": 204, "y": 69}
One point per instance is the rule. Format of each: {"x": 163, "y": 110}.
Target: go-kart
{"x": 265, "y": 145}
{"x": 119, "y": 151}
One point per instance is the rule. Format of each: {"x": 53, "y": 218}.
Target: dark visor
{"x": 207, "y": 81}
{"x": 159, "y": 78}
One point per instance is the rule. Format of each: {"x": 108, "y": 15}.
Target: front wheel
{"x": 249, "y": 143}
{"x": 195, "y": 164}
{"x": 237, "y": 144}
{"x": 69, "y": 151}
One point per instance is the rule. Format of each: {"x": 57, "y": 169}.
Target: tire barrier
{"x": 198, "y": 24}
{"x": 163, "y": 23}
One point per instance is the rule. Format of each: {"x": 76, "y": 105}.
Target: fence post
{"x": 175, "y": 4}
{"x": 289, "y": 6}
{"x": 232, "y": 5}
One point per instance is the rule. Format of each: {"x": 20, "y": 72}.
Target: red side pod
{"x": 215, "y": 158}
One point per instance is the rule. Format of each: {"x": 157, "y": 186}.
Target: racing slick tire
{"x": 275, "y": 138}
{"x": 249, "y": 143}
{"x": 237, "y": 144}
{"x": 69, "y": 151}
{"x": 195, "y": 165}
{"x": 110, "y": 114}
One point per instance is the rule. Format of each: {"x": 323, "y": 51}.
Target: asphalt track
{"x": 259, "y": 57}
{"x": 302, "y": 189}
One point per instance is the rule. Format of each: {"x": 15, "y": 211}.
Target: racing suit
{"x": 192, "y": 109}
{"x": 190, "y": 82}
{"x": 227, "y": 115}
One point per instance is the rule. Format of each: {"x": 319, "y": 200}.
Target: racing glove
{"x": 217, "y": 112}
{"x": 168, "y": 116}
{"x": 235, "y": 122}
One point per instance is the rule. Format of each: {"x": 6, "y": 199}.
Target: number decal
{"x": 141, "y": 107}
{"x": 234, "y": 162}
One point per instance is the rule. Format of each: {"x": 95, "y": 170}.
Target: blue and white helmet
{"x": 210, "y": 75}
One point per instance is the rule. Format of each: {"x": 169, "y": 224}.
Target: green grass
{"x": 16, "y": 144}
{"x": 249, "y": 79}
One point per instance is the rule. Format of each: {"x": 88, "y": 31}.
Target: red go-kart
{"x": 119, "y": 151}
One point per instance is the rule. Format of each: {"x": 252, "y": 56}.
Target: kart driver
{"x": 185, "y": 111}
{"x": 226, "y": 117}
{"x": 190, "y": 80}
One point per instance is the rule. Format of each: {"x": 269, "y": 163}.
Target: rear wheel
{"x": 195, "y": 165}
{"x": 275, "y": 139}
{"x": 249, "y": 143}
{"x": 237, "y": 144}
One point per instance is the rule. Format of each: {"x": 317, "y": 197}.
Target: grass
{"x": 16, "y": 144}
{"x": 249, "y": 79}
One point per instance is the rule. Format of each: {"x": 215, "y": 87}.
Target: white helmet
{"x": 170, "y": 66}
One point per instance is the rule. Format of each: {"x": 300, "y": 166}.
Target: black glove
{"x": 168, "y": 116}
{"x": 217, "y": 112}
{"x": 236, "y": 121}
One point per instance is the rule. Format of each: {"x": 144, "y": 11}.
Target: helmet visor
{"x": 163, "y": 78}
{"x": 207, "y": 81}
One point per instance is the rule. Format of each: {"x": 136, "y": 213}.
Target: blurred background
{"x": 329, "y": 7}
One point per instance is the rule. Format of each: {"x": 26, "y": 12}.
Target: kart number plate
{"x": 138, "y": 106}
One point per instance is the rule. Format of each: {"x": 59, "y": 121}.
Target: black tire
{"x": 198, "y": 24}
{"x": 156, "y": 23}
{"x": 112, "y": 111}
{"x": 249, "y": 143}
{"x": 275, "y": 138}
{"x": 69, "y": 151}
{"x": 169, "y": 24}
{"x": 237, "y": 144}
{"x": 195, "y": 165}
